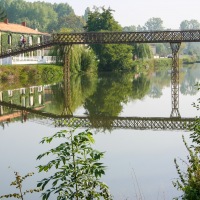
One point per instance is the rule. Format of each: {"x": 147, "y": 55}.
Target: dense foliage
{"x": 142, "y": 51}
{"x": 3, "y": 14}
{"x": 82, "y": 58}
{"x": 111, "y": 57}
{"x": 41, "y": 15}
{"x": 78, "y": 167}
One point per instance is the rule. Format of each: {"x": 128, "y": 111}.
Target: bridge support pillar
{"x": 175, "y": 80}
{"x": 66, "y": 82}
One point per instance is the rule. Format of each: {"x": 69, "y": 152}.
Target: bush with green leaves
{"x": 78, "y": 168}
{"x": 18, "y": 184}
{"x": 189, "y": 181}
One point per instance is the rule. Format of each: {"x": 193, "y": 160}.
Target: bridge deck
{"x": 110, "y": 38}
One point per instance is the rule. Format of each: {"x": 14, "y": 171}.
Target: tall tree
{"x": 154, "y": 24}
{"x": 71, "y": 21}
{"x": 63, "y": 9}
{"x": 113, "y": 56}
{"x": 192, "y": 24}
{"x": 129, "y": 28}
{"x": 85, "y": 16}
{"x": 142, "y": 51}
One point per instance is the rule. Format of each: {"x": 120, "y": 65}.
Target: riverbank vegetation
{"x": 189, "y": 180}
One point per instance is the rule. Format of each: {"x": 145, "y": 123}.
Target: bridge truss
{"x": 109, "y": 38}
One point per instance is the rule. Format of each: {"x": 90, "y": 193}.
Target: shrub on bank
{"x": 189, "y": 179}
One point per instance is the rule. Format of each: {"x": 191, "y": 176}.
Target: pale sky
{"x": 138, "y": 12}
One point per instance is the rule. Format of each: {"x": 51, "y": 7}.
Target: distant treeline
{"x": 46, "y": 17}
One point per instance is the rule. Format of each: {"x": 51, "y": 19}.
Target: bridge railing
{"x": 109, "y": 38}
{"x": 27, "y": 47}
{"x": 127, "y": 37}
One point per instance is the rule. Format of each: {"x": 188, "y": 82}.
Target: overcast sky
{"x": 137, "y": 12}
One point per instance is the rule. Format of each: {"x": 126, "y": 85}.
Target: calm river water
{"x": 139, "y": 162}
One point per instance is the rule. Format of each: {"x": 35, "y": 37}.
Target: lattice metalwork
{"x": 154, "y": 123}
{"x": 18, "y": 50}
{"x": 139, "y": 123}
{"x": 110, "y": 38}
{"x": 128, "y": 37}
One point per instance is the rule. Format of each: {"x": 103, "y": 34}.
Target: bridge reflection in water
{"x": 140, "y": 123}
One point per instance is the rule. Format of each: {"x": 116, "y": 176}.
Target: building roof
{"x": 18, "y": 28}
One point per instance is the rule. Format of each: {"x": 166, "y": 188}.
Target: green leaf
{"x": 39, "y": 184}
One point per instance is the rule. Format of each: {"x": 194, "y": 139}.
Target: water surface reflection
{"x": 148, "y": 153}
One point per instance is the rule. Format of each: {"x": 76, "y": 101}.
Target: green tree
{"x": 78, "y": 167}
{"x": 82, "y": 58}
{"x": 129, "y": 28}
{"x": 63, "y": 9}
{"x": 71, "y": 21}
{"x": 3, "y": 14}
{"x": 101, "y": 19}
{"x": 85, "y": 16}
{"x": 163, "y": 49}
{"x": 192, "y": 49}
{"x": 142, "y": 51}
{"x": 154, "y": 24}
{"x": 141, "y": 28}
{"x": 41, "y": 15}
{"x": 192, "y": 24}
{"x": 114, "y": 56}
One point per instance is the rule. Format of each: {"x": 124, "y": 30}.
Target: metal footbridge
{"x": 68, "y": 39}
{"x": 107, "y": 38}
